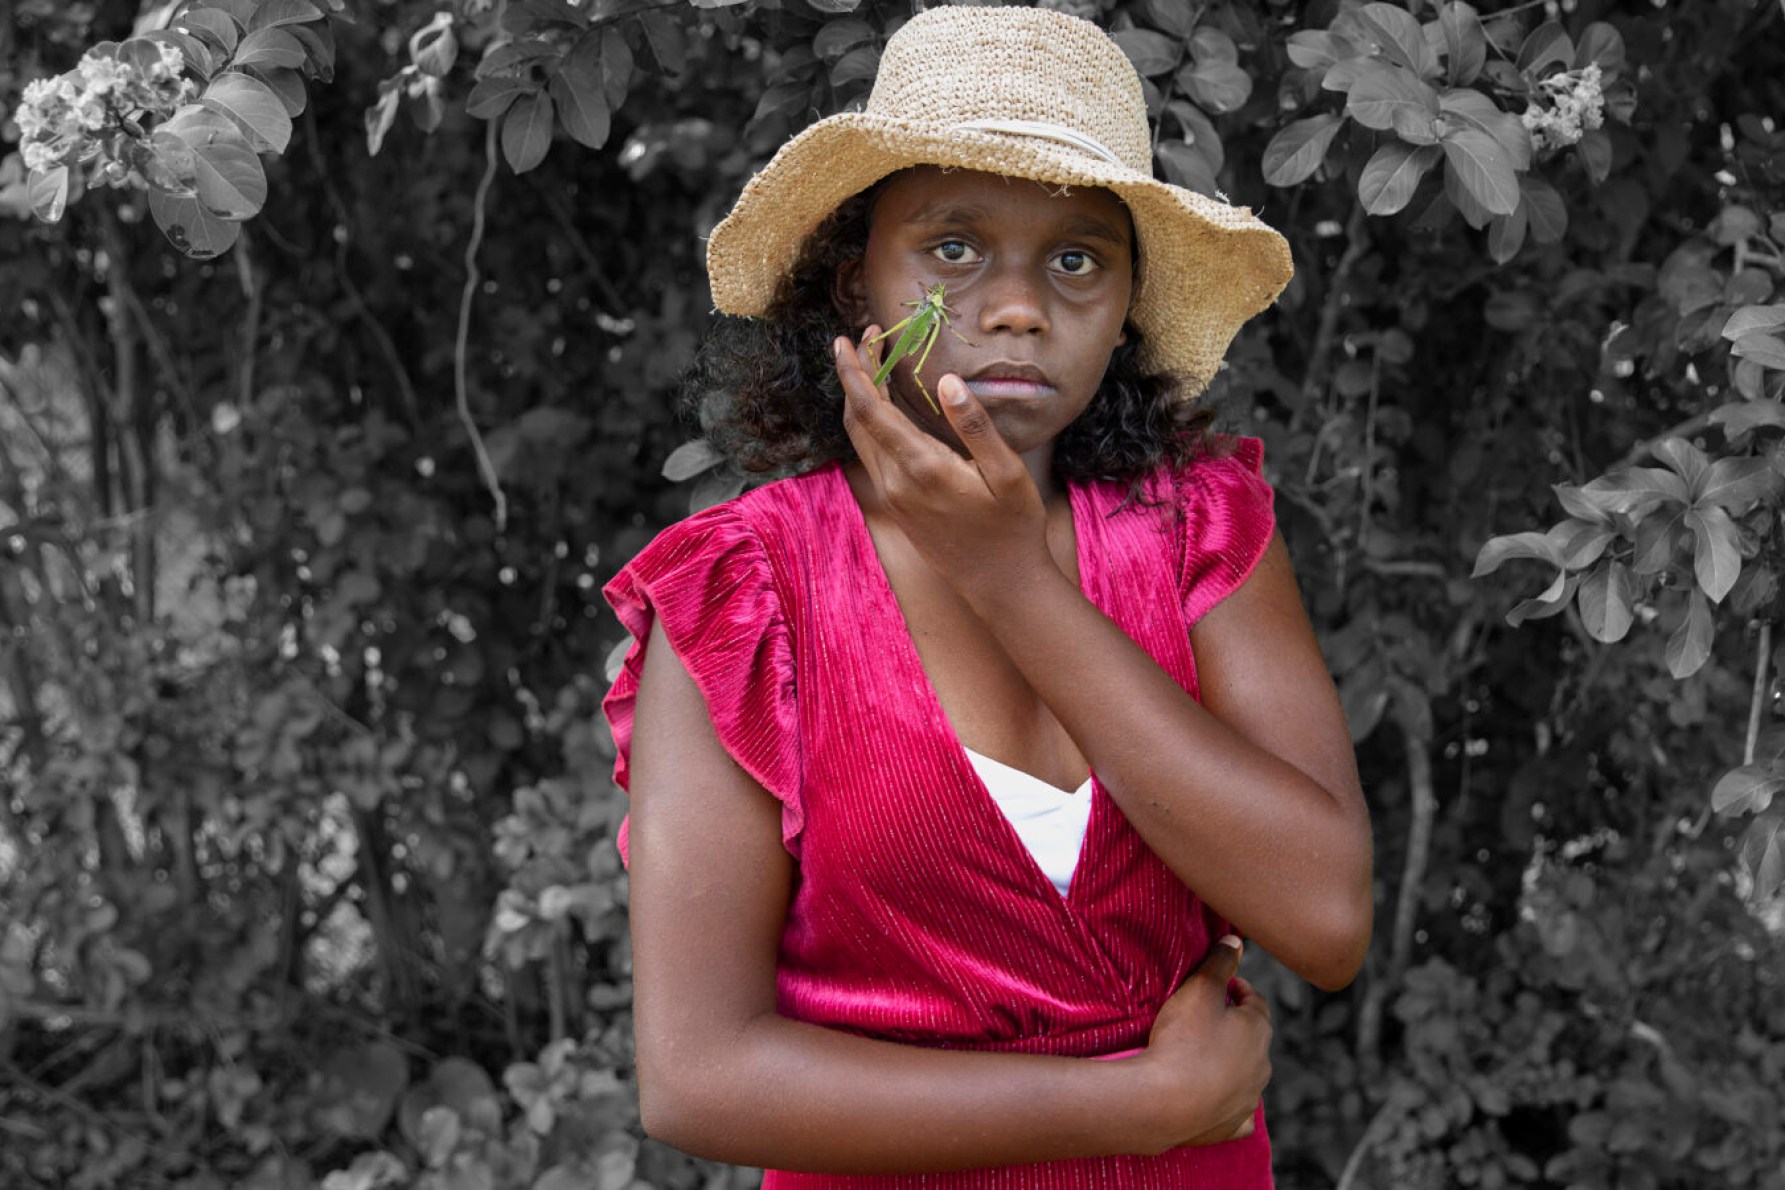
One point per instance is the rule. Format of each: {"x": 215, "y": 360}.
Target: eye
{"x": 955, "y": 252}
{"x": 1076, "y": 264}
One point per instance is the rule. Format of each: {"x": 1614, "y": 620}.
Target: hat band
{"x": 1058, "y": 133}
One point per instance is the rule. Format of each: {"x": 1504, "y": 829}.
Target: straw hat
{"x": 1027, "y": 93}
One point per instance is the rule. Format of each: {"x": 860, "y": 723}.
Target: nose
{"x": 1013, "y": 302}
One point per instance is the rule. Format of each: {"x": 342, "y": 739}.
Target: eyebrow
{"x": 1087, "y": 227}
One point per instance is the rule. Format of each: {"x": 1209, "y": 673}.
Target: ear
{"x": 849, "y": 293}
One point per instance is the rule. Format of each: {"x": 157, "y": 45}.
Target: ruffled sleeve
{"x": 710, "y": 582}
{"x": 1228, "y": 519}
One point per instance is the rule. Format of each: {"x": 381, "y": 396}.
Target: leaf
{"x": 1465, "y": 45}
{"x": 1342, "y": 76}
{"x": 1548, "y": 45}
{"x": 230, "y": 181}
{"x": 857, "y": 65}
{"x": 1602, "y": 44}
{"x": 1171, "y": 16}
{"x": 576, "y": 89}
{"x": 690, "y": 459}
{"x": 171, "y": 166}
{"x": 1749, "y": 319}
{"x": 1317, "y": 49}
{"x": 1552, "y": 602}
{"x": 1635, "y": 491}
{"x": 835, "y": 5}
{"x": 1397, "y": 34}
{"x": 198, "y": 54}
{"x": 1769, "y": 873}
{"x": 1605, "y": 599}
{"x": 492, "y": 96}
{"x": 1690, "y": 645}
{"x": 838, "y": 37}
{"x": 48, "y": 192}
{"x": 527, "y": 132}
{"x": 274, "y": 48}
{"x": 1298, "y": 149}
{"x": 1210, "y": 44}
{"x": 319, "y": 44}
{"x": 1685, "y": 460}
{"x": 283, "y": 12}
{"x": 1544, "y": 208}
{"x": 1393, "y": 98}
{"x": 1218, "y": 86}
{"x": 288, "y": 85}
{"x": 380, "y": 116}
{"x": 1582, "y": 542}
{"x": 1152, "y": 53}
{"x": 1741, "y": 417}
{"x": 255, "y": 107}
{"x": 190, "y": 228}
{"x": 1737, "y": 484}
{"x": 668, "y": 44}
{"x": 1657, "y": 541}
{"x": 616, "y": 68}
{"x": 1764, "y": 349}
{"x": 1716, "y": 559}
{"x": 1199, "y": 133}
{"x": 1392, "y": 175}
{"x": 1594, "y": 148}
{"x": 434, "y": 47}
{"x": 1482, "y": 167}
{"x": 1186, "y": 167}
{"x": 1506, "y": 235}
{"x": 1537, "y": 546}
{"x": 213, "y": 26}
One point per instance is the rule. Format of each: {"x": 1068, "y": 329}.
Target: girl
{"x": 965, "y": 755}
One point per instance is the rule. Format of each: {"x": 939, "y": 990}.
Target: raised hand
{"x": 971, "y": 510}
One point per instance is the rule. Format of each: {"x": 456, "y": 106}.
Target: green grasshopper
{"x": 918, "y": 333}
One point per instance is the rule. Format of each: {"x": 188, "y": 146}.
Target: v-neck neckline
{"x": 967, "y": 776}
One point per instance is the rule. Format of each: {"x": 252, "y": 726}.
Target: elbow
{"x": 1340, "y": 940}
{"x": 672, "y": 1111}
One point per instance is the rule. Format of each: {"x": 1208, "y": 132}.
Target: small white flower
{"x": 39, "y": 156}
{"x": 172, "y": 60}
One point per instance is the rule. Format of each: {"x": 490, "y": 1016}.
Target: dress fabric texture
{"x": 918, "y": 915}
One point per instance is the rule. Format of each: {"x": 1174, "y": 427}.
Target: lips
{"x": 1007, "y": 378}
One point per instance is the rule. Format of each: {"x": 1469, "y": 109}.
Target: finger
{"x": 973, "y": 426}
{"x": 1220, "y": 964}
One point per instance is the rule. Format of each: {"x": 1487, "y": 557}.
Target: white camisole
{"x": 1049, "y": 820}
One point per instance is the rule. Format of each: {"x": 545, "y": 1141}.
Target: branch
{"x": 1692, "y": 425}
{"x": 361, "y": 307}
{"x": 1763, "y": 652}
{"x": 1314, "y": 379}
{"x": 1413, "y": 871}
{"x": 461, "y": 347}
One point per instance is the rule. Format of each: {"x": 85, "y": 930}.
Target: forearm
{"x": 1260, "y": 840}
{"x": 796, "y": 1096}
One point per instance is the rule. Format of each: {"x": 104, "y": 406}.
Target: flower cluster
{"x": 1564, "y": 107}
{"x": 66, "y": 119}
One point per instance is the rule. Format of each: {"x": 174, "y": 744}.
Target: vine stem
{"x": 461, "y": 347}
{"x": 1413, "y": 871}
{"x": 1763, "y": 653}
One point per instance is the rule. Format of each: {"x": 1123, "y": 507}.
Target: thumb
{"x": 1222, "y": 961}
{"x": 969, "y": 420}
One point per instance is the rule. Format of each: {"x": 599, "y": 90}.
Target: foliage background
{"x": 306, "y": 872}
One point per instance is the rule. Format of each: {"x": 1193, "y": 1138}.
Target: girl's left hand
{"x": 978, "y": 520}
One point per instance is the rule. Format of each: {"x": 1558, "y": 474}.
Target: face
{"x": 1038, "y": 284}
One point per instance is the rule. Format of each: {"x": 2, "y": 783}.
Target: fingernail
{"x": 1232, "y": 940}
{"x": 838, "y": 346}
{"x": 954, "y": 390}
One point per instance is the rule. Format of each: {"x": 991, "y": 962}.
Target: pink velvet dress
{"x": 918, "y": 914}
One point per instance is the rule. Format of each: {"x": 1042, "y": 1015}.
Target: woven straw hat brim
{"x": 1206, "y": 267}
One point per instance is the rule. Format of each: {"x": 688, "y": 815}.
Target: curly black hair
{"x": 765, "y": 391}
